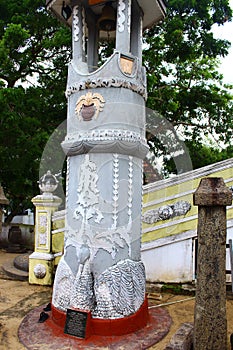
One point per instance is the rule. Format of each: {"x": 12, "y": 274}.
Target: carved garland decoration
{"x": 107, "y": 83}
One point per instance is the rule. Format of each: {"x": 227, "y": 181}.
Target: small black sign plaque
{"x": 76, "y": 322}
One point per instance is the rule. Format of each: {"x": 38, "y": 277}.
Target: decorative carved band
{"x": 106, "y": 141}
{"x": 136, "y": 149}
{"x": 76, "y": 23}
{"x": 121, "y": 16}
{"x": 107, "y": 135}
{"x": 115, "y": 194}
{"x": 107, "y": 83}
{"x": 166, "y": 212}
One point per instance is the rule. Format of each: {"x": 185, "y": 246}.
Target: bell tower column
{"x": 101, "y": 271}
{"x": 78, "y": 36}
{"x": 123, "y": 29}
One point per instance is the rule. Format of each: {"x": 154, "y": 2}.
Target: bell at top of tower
{"x": 106, "y": 11}
{"x": 95, "y": 22}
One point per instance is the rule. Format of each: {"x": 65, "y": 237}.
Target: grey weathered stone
{"x": 210, "y": 326}
{"x": 182, "y": 339}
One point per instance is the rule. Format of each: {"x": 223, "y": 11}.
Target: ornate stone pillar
{"x": 101, "y": 270}
{"x": 41, "y": 262}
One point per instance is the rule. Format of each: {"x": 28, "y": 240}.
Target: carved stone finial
{"x": 48, "y": 182}
{"x": 212, "y": 191}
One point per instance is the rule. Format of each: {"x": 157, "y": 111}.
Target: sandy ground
{"x": 18, "y": 298}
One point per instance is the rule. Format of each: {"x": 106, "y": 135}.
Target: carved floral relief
{"x": 166, "y": 212}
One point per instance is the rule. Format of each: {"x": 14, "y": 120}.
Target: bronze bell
{"x": 107, "y": 21}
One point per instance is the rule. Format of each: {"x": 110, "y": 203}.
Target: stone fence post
{"x": 210, "y": 325}
{"x": 41, "y": 261}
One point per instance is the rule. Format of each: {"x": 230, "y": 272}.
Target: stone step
{"x": 11, "y": 271}
{"x": 15, "y": 248}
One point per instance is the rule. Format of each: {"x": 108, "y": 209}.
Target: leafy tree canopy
{"x": 34, "y": 51}
{"x": 184, "y": 85}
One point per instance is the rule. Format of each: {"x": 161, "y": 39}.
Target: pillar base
{"x": 41, "y": 266}
{"x": 109, "y": 327}
{"x": 43, "y": 335}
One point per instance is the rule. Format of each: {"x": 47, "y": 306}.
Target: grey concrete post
{"x": 210, "y": 325}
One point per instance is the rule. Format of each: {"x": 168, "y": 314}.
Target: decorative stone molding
{"x": 129, "y": 15}
{"x": 84, "y": 28}
{"x": 76, "y": 29}
{"x": 130, "y": 188}
{"x": 107, "y": 83}
{"x": 67, "y": 178}
{"x": 42, "y": 256}
{"x": 137, "y": 149}
{"x": 121, "y": 16}
{"x": 166, "y": 212}
{"x": 115, "y": 194}
{"x": 39, "y": 271}
{"x": 107, "y": 135}
{"x": 106, "y": 141}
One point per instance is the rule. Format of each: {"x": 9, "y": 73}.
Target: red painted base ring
{"x": 109, "y": 327}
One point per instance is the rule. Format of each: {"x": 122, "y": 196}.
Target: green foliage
{"x": 176, "y": 289}
{"x": 184, "y": 85}
{"x": 33, "y": 47}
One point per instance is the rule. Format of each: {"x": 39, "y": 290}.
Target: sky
{"x": 226, "y": 32}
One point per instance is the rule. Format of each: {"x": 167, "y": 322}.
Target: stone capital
{"x": 212, "y": 191}
{"x": 46, "y": 200}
